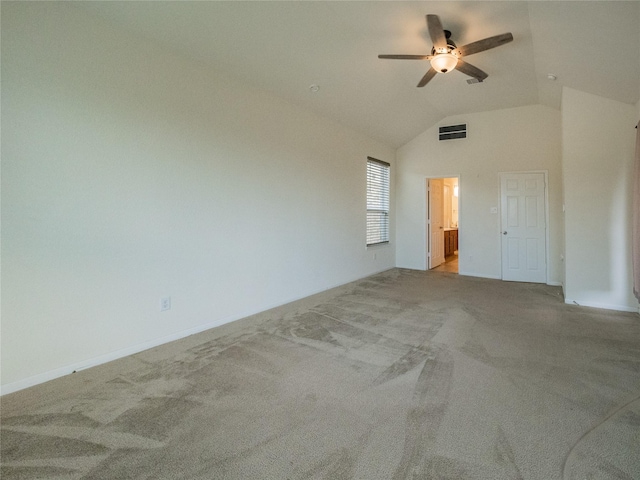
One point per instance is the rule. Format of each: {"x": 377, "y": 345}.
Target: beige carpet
{"x": 404, "y": 375}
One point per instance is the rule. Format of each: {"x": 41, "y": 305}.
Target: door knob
{"x": 504, "y": 233}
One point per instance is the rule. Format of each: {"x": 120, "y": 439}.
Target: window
{"x": 377, "y": 201}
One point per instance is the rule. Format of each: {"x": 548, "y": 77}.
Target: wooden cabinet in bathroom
{"x": 450, "y": 241}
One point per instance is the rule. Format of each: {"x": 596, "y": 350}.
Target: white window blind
{"x": 377, "y": 201}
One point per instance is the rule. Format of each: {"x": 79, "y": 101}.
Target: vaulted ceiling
{"x": 285, "y": 47}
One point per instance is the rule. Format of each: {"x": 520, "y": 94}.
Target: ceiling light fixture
{"x": 314, "y": 88}
{"x": 446, "y": 56}
{"x": 551, "y": 76}
{"x": 444, "y": 62}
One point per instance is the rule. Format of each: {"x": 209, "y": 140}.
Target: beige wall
{"x": 519, "y": 139}
{"x": 598, "y": 146}
{"x": 129, "y": 174}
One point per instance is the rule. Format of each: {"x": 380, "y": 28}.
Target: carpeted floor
{"x": 403, "y": 375}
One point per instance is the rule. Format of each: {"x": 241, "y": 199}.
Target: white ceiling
{"x": 284, "y": 47}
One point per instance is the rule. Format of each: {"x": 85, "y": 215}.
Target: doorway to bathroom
{"x": 443, "y": 224}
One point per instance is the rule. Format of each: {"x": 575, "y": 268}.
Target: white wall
{"x": 598, "y": 152}
{"x": 130, "y": 174}
{"x": 519, "y": 139}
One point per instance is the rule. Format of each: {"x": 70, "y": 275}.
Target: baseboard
{"x": 108, "y": 357}
{"x": 619, "y": 308}
{"x": 479, "y": 275}
{"x": 140, "y": 347}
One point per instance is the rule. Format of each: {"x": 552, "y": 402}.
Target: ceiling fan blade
{"x": 486, "y": 44}
{"x": 470, "y": 70}
{"x": 427, "y": 77}
{"x": 436, "y": 32}
{"x": 407, "y": 57}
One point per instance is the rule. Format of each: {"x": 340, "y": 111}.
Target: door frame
{"x": 546, "y": 216}
{"x": 427, "y": 220}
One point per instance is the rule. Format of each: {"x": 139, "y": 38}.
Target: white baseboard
{"x": 619, "y": 308}
{"x": 140, "y": 347}
{"x": 108, "y": 357}
{"x": 480, "y": 275}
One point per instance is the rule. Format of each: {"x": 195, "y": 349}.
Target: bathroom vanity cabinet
{"x": 450, "y": 241}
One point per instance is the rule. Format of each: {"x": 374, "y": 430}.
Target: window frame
{"x": 378, "y": 198}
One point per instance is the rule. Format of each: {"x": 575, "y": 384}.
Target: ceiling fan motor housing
{"x": 450, "y": 43}
{"x": 451, "y": 46}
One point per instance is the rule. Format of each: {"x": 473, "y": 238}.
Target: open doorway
{"x": 443, "y": 224}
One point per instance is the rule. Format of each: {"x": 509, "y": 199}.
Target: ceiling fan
{"x": 446, "y": 56}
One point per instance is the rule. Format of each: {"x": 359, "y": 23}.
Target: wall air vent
{"x": 453, "y": 132}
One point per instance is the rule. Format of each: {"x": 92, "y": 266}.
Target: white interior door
{"x": 524, "y": 235}
{"x": 436, "y": 237}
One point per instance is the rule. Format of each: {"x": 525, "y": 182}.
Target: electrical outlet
{"x": 165, "y": 304}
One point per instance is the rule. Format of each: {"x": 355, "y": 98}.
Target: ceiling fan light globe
{"x": 444, "y": 62}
